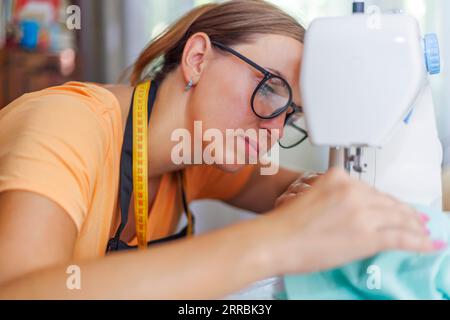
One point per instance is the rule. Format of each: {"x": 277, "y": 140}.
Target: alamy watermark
{"x": 374, "y": 19}
{"x": 232, "y": 147}
{"x": 73, "y": 281}
{"x": 374, "y": 278}
{"x": 73, "y": 19}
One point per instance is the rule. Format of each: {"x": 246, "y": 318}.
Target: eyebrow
{"x": 247, "y": 60}
{"x": 250, "y": 62}
{"x": 278, "y": 73}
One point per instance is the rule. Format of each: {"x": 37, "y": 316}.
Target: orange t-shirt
{"x": 65, "y": 143}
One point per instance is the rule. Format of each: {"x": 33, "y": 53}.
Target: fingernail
{"x": 424, "y": 218}
{"x": 438, "y": 245}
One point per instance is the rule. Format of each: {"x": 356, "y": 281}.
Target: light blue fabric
{"x": 402, "y": 275}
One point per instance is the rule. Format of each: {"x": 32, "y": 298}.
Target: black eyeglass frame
{"x": 268, "y": 76}
{"x": 299, "y": 142}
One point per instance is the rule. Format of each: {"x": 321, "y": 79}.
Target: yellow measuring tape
{"x": 140, "y": 165}
{"x": 190, "y": 220}
{"x": 140, "y": 162}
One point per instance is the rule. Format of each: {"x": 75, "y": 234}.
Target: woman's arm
{"x": 260, "y": 192}
{"x": 337, "y": 221}
{"x": 37, "y": 239}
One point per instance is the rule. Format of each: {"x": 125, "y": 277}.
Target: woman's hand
{"x": 338, "y": 221}
{"x": 298, "y": 188}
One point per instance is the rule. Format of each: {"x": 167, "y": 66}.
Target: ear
{"x": 195, "y": 54}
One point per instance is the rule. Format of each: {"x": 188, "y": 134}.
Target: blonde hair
{"x": 229, "y": 23}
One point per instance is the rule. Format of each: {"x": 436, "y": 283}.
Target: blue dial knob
{"x": 432, "y": 55}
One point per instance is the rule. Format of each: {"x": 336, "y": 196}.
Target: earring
{"x": 189, "y": 86}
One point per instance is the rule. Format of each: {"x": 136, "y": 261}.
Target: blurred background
{"x": 38, "y": 50}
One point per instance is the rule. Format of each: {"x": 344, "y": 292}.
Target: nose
{"x": 274, "y": 126}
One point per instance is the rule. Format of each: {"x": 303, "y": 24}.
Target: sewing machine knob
{"x": 432, "y": 55}
{"x": 358, "y": 7}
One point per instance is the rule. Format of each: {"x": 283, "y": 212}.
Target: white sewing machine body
{"x": 365, "y": 87}
{"x": 408, "y": 166}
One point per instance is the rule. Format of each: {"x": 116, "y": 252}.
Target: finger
{"x": 376, "y": 198}
{"x": 301, "y": 187}
{"x": 311, "y": 179}
{"x": 294, "y": 186}
{"x": 285, "y": 198}
{"x": 404, "y": 240}
{"x": 397, "y": 216}
{"x": 311, "y": 174}
{"x": 390, "y": 200}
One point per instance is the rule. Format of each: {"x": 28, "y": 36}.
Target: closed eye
{"x": 266, "y": 89}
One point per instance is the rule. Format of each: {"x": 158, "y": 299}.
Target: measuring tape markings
{"x": 140, "y": 162}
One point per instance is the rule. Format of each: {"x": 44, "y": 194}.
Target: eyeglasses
{"x": 272, "y": 98}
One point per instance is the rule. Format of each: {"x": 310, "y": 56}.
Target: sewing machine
{"x": 366, "y": 95}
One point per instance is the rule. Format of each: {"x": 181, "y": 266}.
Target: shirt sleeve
{"x": 52, "y": 145}
{"x": 210, "y": 182}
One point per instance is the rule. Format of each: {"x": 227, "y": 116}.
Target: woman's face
{"x": 222, "y": 97}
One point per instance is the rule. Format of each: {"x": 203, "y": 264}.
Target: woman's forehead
{"x": 279, "y": 54}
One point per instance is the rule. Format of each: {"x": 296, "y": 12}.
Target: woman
{"x": 60, "y": 166}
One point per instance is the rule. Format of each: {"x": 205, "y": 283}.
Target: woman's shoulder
{"x": 59, "y": 143}
{"x": 84, "y": 105}
{"x": 71, "y": 96}
{"x": 75, "y": 115}
{"x": 95, "y": 92}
